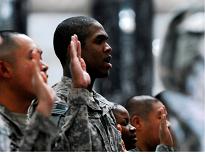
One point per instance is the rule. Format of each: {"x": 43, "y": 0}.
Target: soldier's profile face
{"x": 97, "y": 52}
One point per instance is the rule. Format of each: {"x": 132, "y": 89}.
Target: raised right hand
{"x": 43, "y": 92}
{"x": 80, "y": 77}
{"x": 164, "y": 132}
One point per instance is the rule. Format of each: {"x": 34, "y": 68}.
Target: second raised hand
{"x": 164, "y": 132}
{"x": 43, "y": 92}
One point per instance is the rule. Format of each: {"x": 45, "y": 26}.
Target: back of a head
{"x": 78, "y": 25}
{"x": 118, "y": 110}
{"x": 182, "y": 53}
{"x": 7, "y": 44}
{"x": 140, "y": 105}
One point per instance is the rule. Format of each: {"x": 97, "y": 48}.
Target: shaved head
{"x": 140, "y": 105}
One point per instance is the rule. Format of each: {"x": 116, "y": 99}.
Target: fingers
{"x": 163, "y": 112}
{"x": 164, "y": 133}
{"x": 83, "y": 65}
{"x": 80, "y": 77}
{"x": 163, "y": 121}
{"x": 75, "y": 47}
{"x": 78, "y": 49}
{"x": 119, "y": 127}
{"x": 38, "y": 75}
{"x": 41, "y": 90}
{"x": 163, "y": 118}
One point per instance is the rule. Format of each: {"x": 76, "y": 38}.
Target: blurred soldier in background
{"x": 182, "y": 72}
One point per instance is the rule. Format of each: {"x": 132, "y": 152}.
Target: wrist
{"x": 44, "y": 110}
{"x": 45, "y": 106}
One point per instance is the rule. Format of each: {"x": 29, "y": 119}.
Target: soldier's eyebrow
{"x": 102, "y": 37}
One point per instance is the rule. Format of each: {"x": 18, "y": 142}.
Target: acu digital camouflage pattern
{"x": 86, "y": 120}
{"x": 159, "y": 148}
{"x": 35, "y": 137}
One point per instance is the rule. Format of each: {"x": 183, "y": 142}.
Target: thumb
{"x": 163, "y": 123}
{"x": 119, "y": 127}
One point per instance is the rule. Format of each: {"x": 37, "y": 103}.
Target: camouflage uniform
{"x": 14, "y": 136}
{"x": 159, "y": 148}
{"x": 86, "y": 119}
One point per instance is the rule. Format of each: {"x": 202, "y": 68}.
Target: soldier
{"x": 23, "y": 78}
{"x": 86, "y": 116}
{"x": 128, "y": 131}
{"x": 149, "y": 116}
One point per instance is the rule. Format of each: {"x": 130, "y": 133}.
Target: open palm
{"x": 80, "y": 77}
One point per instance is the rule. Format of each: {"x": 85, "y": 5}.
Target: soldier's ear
{"x": 136, "y": 121}
{"x": 5, "y": 69}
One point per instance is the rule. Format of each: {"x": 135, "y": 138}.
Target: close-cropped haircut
{"x": 62, "y": 36}
{"x": 116, "y": 109}
{"x": 140, "y": 105}
{"x": 7, "y": 43}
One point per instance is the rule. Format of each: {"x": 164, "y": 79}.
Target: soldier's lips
{"x": 107, "y": 61}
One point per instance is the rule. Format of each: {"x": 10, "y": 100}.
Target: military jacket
{"x": 86, "y": 120}
{"x": 159, "y": 148}
{"x": 35, "y": 137}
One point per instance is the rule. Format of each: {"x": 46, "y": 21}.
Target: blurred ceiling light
{"x": 6, "y": 9}
{"x": 127, "y": 20}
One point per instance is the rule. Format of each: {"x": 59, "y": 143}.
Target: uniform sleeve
{"x": 76, "y": 132}
{"x": 39, "y": 134}
{"x": 164, "y": 148}
{"x": 4, "y": 140}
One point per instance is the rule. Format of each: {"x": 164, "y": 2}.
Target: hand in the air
{"x": 80, "y": 77}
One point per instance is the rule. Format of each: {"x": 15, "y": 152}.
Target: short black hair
{"x": 140, "y": 105}
{"x": 116, "y": 109}
{"x": 78, "y": 25}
